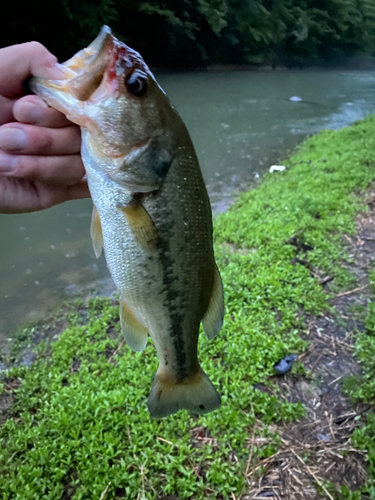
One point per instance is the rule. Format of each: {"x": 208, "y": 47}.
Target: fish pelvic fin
{"x": 140, "y": 223}
{"x": 213, "y": 318}
{"x": 134, "y": 332}
{"x": 195, "y": 393}
{"x": 96, "y": 232}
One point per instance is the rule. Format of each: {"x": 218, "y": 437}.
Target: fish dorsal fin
{"x": 96, "y": 233}
{"x": 212, "y": 320}
{"x": 134, "y": 332}
{"x": 141, "y": 224}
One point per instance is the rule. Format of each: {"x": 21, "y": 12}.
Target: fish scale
{"x": 151, "y": 214}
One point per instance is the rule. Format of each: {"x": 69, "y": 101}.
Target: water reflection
{"x": 241, "y": 123}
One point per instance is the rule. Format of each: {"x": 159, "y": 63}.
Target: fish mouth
{"x": 106, "y": 58}
{"x": 94, "y": 77}
{"x": 84, "y": 71}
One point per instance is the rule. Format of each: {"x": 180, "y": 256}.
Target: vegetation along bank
{"x": 75, "y": 424}
{"x": 182, "y": 33}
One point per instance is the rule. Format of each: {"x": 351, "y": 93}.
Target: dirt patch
{"x": 7, "y": 398}
{"x": 318, "y": 449}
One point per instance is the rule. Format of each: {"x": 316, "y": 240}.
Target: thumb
{"x": 18, "y": 62}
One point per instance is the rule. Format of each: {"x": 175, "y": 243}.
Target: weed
{"x": 80, "y": 424}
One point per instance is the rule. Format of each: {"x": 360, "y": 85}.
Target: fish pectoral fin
{"x": 140, "y": 223}
{"x": 96, "y": 232}
{"x": 212, "y": 320}
{"x": 195, "y": 393}
{"x": 134, "y": 332}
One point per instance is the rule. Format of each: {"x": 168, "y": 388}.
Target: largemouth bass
{"x": 151, "y": 213}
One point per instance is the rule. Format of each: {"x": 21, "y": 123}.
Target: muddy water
{"x": 240, "y": 122}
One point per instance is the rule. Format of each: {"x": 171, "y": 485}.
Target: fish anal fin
{"x": 195, "y": 393}
{"x": 140, "y": 223}
{"x": 212, "y": 320}
{"x": 134, "y": 332}
{"x": 96, "y": 233}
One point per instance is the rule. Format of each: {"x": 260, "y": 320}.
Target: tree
{"x": 199, "y": 32}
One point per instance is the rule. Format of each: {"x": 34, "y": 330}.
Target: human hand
{"x": 40, "y": 162}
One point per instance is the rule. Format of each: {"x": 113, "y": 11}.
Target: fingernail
{"x": 31, "y": 113}
{"x": 7, "y": 163}
{"x": 53, "y": 72}
{"x": 59, "y": 70}
{"x": 12, "y": 139}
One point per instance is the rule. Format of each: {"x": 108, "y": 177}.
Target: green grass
{"x": 81, "y": 421}
{"x": 362, "y": 389}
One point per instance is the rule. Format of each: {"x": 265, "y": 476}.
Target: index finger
{"x": 33, "y": 110}
{"x": 18, "y": 62}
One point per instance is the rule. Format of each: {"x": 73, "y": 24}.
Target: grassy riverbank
{"x": 79, "y": 426}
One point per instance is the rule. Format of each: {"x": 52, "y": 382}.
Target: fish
{"x": 151, "y": 214}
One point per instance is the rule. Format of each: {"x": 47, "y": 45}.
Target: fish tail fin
{"x": 195, "y": 393}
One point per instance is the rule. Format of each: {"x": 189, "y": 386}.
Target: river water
{"x": 240, "y": 122}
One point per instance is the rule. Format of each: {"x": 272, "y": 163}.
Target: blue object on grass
{"x": 285, "y": 364}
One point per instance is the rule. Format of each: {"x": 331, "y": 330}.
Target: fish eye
{"x": 137, "y": 84}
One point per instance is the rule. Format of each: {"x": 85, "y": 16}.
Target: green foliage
{"x": 181, "y": 32}
{"x": 80, "y": 420}
{"x": 301, "y": 214}
{"x": 362, "y": 389}
{"x": 340, "y": 493}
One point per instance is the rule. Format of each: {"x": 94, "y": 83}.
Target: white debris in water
{"x": 36, "y": 282}
{"x": 256, "y": 175}
{"x": 28, "y": 271}
{"x": 295, "y": 98}
{"x": 276, "y": 168}
{"x": 224, "y": 125}
{"x": 52, "y": 247}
